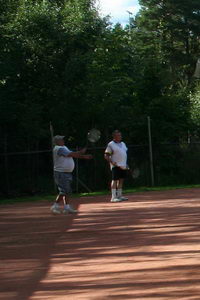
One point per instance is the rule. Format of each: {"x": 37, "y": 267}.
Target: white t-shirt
{"x": 118, "y": 152}
{"x": 62, "y": 163}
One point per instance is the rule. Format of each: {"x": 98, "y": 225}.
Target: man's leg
{"x": 119, "y": 190}
{"x": 68, "y": 209}
{"x": 62, "y": 185}
{"x": 114, "y": 189}
{"x": 120, "y": 183}
{"x": 59, "y": 198}
{"x": 65, "y": 200}
{"x": 119, "y": 187}
{"x": 115, "y": 184}
{"x": 55, "y": 208}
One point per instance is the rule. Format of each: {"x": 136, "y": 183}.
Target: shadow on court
{"x": 145, "y": 248}
{"x": 28, "y": 236}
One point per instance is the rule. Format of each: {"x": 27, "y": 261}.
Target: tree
{"x": 43, "y": 63}
{"x": 175, "y": 28}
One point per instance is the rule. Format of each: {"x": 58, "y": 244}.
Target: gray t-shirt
{"x": 61, "y": 162}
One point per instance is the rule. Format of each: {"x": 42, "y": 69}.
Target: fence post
{"x": 150, "y": 151}
{"x": 77, "y": 175}
{"x": 6, "y": 166}
{"x": 52, "y": 146}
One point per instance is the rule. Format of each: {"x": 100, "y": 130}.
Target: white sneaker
{"x": 115, "y": 200}
{"x": 69, "y": 210}
{"x": 55, "y": 210}
{"x": 123, "y": 198}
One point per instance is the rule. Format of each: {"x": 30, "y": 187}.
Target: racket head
{"x": 93, "y": 135}
{"x": 135, "y": 173}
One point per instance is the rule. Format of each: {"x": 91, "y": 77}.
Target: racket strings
{"x": 93, "y": 135}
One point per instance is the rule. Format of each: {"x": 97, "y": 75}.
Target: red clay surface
{"x": 147, "y": 248}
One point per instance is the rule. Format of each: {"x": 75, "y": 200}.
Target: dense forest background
{"x": 61, "y": 62}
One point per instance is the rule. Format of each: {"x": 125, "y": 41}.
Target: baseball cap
{"x": 58, "y": 138}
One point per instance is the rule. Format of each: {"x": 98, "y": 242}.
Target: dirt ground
{"x": 147, "y": 248}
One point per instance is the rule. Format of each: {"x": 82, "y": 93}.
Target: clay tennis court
{"x": 147, "y": 248}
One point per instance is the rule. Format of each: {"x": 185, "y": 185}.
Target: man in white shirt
{"x": 63, "y": 168}
{"x": 116, "y": 155}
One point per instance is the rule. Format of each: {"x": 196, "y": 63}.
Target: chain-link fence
{"x": 26, "y": 173}
{"x": 32, "y": 172}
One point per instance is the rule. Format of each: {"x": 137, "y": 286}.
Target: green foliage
{"x": 61, "y": 62}
{"x": 195, "y": 111}
{"x": 174, "y": 27}
{"x": 43, "y": 58}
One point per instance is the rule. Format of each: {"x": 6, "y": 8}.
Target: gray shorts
{"x": 63, "y": 181}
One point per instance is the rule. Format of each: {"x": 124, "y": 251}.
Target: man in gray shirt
{"x": 63, "y": 168}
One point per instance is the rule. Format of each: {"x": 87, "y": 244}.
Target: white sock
{"x": 119, "y": 192}
{"x": 114, "y": 193}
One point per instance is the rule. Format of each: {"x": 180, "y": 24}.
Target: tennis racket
{"x": 134, "y": 172}
{"x": 93, "y": 136}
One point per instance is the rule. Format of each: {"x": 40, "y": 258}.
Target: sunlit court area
{"x": 99, "y": 150}
{"x": 145, "y": 248}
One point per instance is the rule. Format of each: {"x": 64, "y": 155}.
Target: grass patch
{"x": 51, "y": 197}
{"x": 144, "y": 189}
{"x": 161, "y": 188}
{"x": 27, "y": 199}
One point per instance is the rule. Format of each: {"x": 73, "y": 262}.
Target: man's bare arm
{"x": 107, "y": 157}
{"x": 79, "y": 154}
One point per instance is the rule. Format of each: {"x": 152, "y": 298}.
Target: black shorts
{"x": 118, "y": 173}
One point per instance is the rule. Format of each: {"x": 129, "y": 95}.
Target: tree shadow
{"x": 134, "y": 250}
{"x": 146, "y": 248}
{"x": 28, "y": 236}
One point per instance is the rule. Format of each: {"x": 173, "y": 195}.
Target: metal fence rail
{"x": 31, "y": 172}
